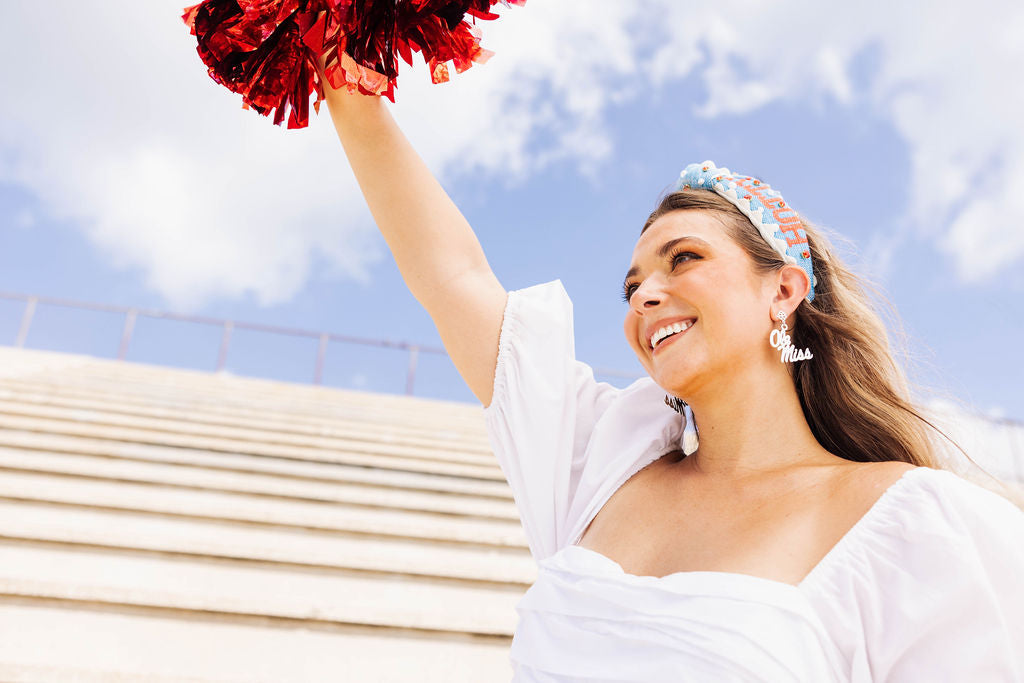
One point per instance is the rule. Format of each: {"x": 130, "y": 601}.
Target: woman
{"x": 807, "y": 535}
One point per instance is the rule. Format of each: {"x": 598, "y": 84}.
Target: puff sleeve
{"x": 962, "y": 617}
{"x": 544, "y": 407}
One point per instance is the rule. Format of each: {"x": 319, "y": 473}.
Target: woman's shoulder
{"x": 930, "y": 531}
{"x": 975, "y": 500}
{"x": 922, "y": 509}
{"x": 933, "y": 583}
{"x": 929, "y": 486}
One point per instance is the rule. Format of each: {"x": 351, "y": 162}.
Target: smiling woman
{"x": 810, "y": 534}
{"x": 854, "y": 397}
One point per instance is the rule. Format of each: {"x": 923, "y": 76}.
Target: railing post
{"x": 410, "y": 377}
{"x": 26, "y": 320}
{"x": 225, "y": 340}
{"x": 321, "y": 351}
{"x": 126, "y": 333}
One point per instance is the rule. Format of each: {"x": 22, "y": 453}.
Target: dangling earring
{"x": 691, "y": 437}
{"x": 676, "y": 404}
{"x": 781, "y": 341}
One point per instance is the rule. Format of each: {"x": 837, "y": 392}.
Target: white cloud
{"x": 119, "y": 127}
{"x": 122, "y": 130}
{"x": 573, "y": 63}
{"x": 945, "y": 79}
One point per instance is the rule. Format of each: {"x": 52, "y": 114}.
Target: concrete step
{"x": 77, "y": 528}
{"x": 110, "y": 372}
{"x": 457, "y": 437}
{"x": 355, "y": 454}
{"x": 233, "y": 589}
{"x": 186, "y": 428}
{"x": 201, "y": 479}
{"x": 59, "y": 642}
{"x": 70, "y": 370}
{"x": 285, "y": 468}
{"x": 241, "y": 508}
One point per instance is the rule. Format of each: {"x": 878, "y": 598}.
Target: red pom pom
{"x": 268, "y": 50}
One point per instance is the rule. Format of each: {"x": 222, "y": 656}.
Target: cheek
{"x": 739, "y": 332}
{"x": 631, "y": 328}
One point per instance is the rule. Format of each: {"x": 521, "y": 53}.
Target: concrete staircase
{"x": 164, "y": 524}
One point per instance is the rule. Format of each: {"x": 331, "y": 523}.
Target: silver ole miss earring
{"x": 781, "y": 341}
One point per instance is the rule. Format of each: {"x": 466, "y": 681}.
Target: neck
{"x": 752, "y": 429}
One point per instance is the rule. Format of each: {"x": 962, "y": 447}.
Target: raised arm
{"x": 434, "y": 246}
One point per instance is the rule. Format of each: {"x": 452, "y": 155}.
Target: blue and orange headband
{"x": 774, "y": 219}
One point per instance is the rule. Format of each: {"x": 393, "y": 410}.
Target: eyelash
{"x": 630, "y": 287}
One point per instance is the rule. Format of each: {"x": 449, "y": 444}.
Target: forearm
{"x": 430, "y": 239}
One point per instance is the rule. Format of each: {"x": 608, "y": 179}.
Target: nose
{"x": 648, "y": 294}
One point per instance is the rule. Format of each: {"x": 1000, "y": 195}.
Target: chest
{"x": 658, "y": 523}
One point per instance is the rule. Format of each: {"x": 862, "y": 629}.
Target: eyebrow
{"x": 664, "y": 250}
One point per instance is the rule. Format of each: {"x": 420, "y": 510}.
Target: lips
{"x": 666, "y": 329}
{"x": 669, "y": 340}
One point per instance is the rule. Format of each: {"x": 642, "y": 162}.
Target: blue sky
{"x": 127, "y": 177}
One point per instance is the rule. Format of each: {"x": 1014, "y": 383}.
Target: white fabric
{"x": 927, "y": 586}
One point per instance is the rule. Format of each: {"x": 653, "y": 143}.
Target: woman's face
{"x": 685, "y": 269}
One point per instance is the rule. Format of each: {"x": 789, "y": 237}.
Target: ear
{"x": 791, "y": 287}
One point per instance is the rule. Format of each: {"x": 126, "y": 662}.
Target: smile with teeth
{"x": 668, "y": 331}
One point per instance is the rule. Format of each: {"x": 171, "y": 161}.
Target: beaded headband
{"x": 773, "y": 218}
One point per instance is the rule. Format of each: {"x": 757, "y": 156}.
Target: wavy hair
{"x": 854, "y": 395}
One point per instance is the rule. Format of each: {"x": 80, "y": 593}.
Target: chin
{"x": 680, "y": 379}
{"x": 675, "y": 385}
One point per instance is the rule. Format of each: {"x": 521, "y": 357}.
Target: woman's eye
{"x": 679, "y": 257}
{"x": 627, "y": 292}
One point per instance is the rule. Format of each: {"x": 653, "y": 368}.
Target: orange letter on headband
{"x": 785, "y": 219}
{"x": 789, "y": 231}
{"x": 742, "y": 184}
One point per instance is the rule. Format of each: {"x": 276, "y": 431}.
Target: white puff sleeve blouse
{"x": 927, "y": 586}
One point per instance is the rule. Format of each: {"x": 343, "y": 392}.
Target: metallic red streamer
{"x": 268, "y": 50}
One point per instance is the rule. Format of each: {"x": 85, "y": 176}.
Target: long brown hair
{"x": 854, "y": 395}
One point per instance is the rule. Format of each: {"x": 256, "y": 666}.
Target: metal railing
{"x": 228, "y": 326}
